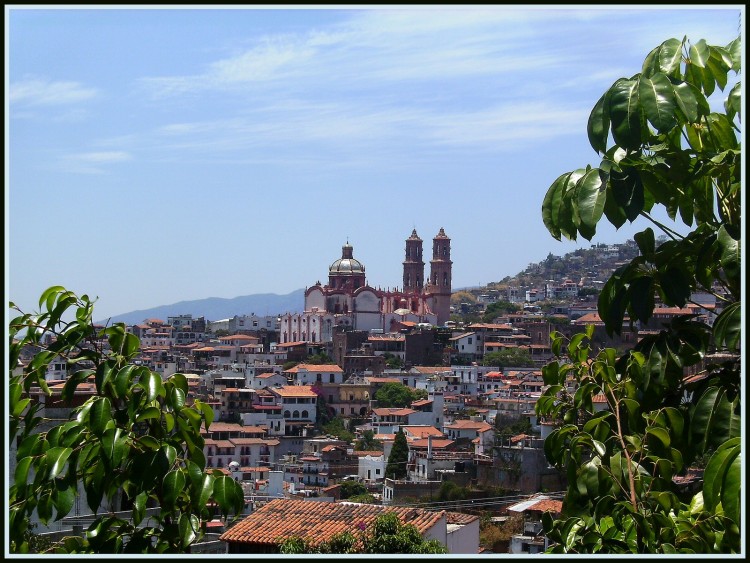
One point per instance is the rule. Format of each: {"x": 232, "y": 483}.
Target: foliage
{"x": 386, "y": 534}
{"x": 396, "y": 466}
{"x": 392, "y": 361}
{"x": 588, "y": 291}
{"x": 352, "y": 488}
{"x": 319, "y": 359}
{"x": 506, "y": 428}
{"x": 365, "y": 498}
{"x": 324, "y": 413}
{"x": 337, "y": 427}
{"x": 496, "y": 537}
{"x": 463, "y": 296}
{"x": 394, "y": 394}
{"x": 670, "y": 152}
{"x": 368, "y": 442}
{"x": 510, "y": 357}
{"x": 221, "y": 332}
{"x": 135, "y": 440}
{"x": 450, "y": 491}
{"x": 497, "y": 308}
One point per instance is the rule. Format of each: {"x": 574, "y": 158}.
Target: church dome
{"x": 347, "y": 264}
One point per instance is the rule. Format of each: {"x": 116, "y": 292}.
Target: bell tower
{"x": 413, "y": 264}
{"x": 440, "y": 276}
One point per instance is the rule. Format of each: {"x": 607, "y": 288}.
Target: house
{"x": 298, "y": 406}
{"x": 265, "y": 529}
{"x": 532, "y": 540}
{"x": 310, "y": 374}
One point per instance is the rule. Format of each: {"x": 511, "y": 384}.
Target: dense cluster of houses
{"x": 268, "y": 398}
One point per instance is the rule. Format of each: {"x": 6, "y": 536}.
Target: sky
{"x": 157, "y": 155}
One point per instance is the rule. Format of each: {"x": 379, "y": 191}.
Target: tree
{"x": 511, "y": 357}
{"x": 137, "y": 439}
{"x": 319, "y": 359}
{"x": 397, "y": 395}
{"x": 337, "y": 427}
{"x": 396, "y": 466}
{"x": 368, "y": 442}
{"x": 497, "y": 308}
{"x": 392, "y": 361}
{"x": 352, "y": 488}
{"x": 386, "y": 534}
{"x": 670, "y": 151}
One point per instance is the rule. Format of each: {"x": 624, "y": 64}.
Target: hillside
{"x": 217, "y": 308}
{"x": 592, "y": 265}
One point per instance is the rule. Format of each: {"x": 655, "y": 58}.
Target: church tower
{"x": 413, "y": 264}
{"x": 440, "y": 276}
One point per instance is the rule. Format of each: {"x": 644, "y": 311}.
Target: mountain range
{"x": 217, "y": 308}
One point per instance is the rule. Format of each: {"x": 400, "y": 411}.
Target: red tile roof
{"x": 318, "y": 521}
{"x": 315, "y": 368}
{"x": 295, "y": 391}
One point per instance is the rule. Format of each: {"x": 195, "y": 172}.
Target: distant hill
{"x": 217, "y": 308}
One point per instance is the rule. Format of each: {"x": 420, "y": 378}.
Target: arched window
{"x": 287, "y": 414}
{"x": 305, "y": 414}
{"x": 295, "y": 414}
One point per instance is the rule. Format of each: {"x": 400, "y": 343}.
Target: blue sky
{"x": 161, "y": 155}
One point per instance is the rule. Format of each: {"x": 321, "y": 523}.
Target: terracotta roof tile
{"x": 317, "y": 521}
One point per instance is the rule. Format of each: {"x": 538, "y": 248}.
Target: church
{"x": 347, "y": 300}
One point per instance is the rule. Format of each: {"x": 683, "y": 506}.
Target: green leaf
{"x": 625, "y": 113}
{"x": 660, "y": 434}
{"x": 204, "y": 491}
{"x": 699, "y": 53}
{"x": 722, "y": 476}
{"x": 100, "y": 415}
{"x": 176, "y": 397}
{"x": 714, "y": 420}
{"x": 152, "y": 384}
{"x": 139, "y": 507}
{"x": 686, "y": 97}
{"x": 49, "y": 296}
{"x": 122, "y": 380}
{"x": 189, "y": 526}
{"x": 598, "y": 125}
{"x": 656, "y": 96}
{"x": 641, "y": 298}
{"x": 63, "y": 498}
{"x": 173, "y": 484}
{"x": 114, "y": 446}
{"x": 728, "y": 327}
{"x": 228, "y": 495}
{"x": 670, "y": 57}
{"x": 627, "y": 189}
{"x": 22, "y": 471}
{"x": 149, "y": 413}
{"x": 589, "y": 203}
{"x": 733, "y": 103}
{"x": 56, "y": 459}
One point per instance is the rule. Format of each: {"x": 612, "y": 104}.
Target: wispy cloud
{"x": 93, "y": 162}
{"x": 39, "y": 92}
{"x": 375, "y": 46}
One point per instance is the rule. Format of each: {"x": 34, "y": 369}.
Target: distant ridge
{"x": 217, "y": 308}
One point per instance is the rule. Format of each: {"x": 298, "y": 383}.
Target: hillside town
{"x": 312, "y": 410}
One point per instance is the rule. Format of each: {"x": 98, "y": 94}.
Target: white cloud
{"x": 38, "y": 92}
{"x": 93, "y": 162}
